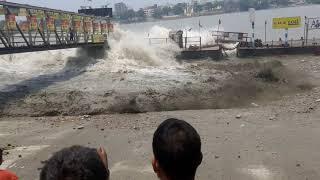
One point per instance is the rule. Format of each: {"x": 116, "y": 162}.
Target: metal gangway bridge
{"x": 26, "y": 28}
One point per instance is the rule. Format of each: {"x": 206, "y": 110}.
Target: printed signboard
{"x": 96, "y": 27}
{"x": 65, "y": 22}
{"x": 50, "y": 23}
{"x": 110, "y": 27}
{"x": 286, "y": 22}
{"x": 87, "y": 24}
{"x": 314, "y": 23}
{"x": 11, "y": 22}
{"x": 97, "y": 38}
{"x": 38, "y": 13}
{"x": 65, "y": 25}
{"x": 54, "y": 15}
{"x": 24, "y": 26}
{"x": 2, "y": 10}
{"x": 77, "y": 24}
{"x": 23, "y": 12}
{"x": 33, "y": 23}
{"x": 104, "y": 28}
{"x": 18, "y": 11}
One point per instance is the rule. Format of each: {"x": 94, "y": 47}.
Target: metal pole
{"x": 265, "y": 32}
{"x": 187, "y": 33}
{"x": 286, "y": 37}
{"x": 304, "y": 29}
{"x": 307, "y": 32}
{"x": 185, "y": 42}
{"x": 253, "y": 44}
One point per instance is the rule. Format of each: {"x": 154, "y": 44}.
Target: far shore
{"x": 171, "y": 18}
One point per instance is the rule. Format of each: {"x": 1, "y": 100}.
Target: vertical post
{"x": 187, "y": 33}
{"x": 252, "y": 20}
{"x": 253, "y": 44}
{"x": 199, "y": 28}
{"x": 200, "y": 42}
{"x": 46, "y": 25}
{"x": 185, "y": 42}
{"x": 265, "y": 32}
{"x": 62, "y": 37}
{"x": 43, "y": 33}
{"x": 286, "y": 37}
{"x": 304, "y": 29}
{"x": 9, "y": 30}
{"x": 29, "y": 29}
{"x": 218, "y": 31}
{"x": 307, "y": 32}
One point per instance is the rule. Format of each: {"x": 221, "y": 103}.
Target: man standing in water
{"x": 177, "y": 150}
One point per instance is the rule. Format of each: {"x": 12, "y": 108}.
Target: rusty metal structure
{"x": 26, "y": 28}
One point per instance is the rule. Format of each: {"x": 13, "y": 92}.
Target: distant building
{"x": 120, "y": 8}
{"x": 104, "y": 12}
{"x": 149, "y": 11}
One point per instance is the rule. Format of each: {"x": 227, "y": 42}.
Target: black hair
{"x": 1, "y": 155}
{"x": 177, "y": 148}
{"x": 75, "y": 163}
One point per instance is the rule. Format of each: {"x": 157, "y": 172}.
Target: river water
{"x": 137, "y": 77}
{"x": 238, "y": 22}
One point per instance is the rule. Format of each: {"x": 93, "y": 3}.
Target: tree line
{"x": 223, "y": 6}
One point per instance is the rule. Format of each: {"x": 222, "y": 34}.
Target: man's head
{"x": 1, "y": 154}
{"x": 177, "y": 150}
{"x": 76, "y": 163}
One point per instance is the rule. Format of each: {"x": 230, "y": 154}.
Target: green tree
{"x": 197, "y": 7}
{"x": 208, "y": 6}
{"x": 313, "y": 1}
{"x": 140, "y": 14}
{"x": 230, "y": 6}
{"x": 282, "y": 2}
{"x": 179, "y": 8}
{"x": 244, "y": 5}
{"x": 218, "y": 4}
{"x": 157, "y": 13}
{"x": 166, "y": 10}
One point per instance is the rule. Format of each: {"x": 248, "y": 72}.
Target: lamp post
{"x": 186, "y": 38}
{"x": 218, "y": 33}
{"x": 265, "y": 32}
{"x": 252, "y": 20}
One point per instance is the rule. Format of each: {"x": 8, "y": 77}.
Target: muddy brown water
{"x": 79, "y": 85}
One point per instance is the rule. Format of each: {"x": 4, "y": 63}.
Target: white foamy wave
{"x": 130, "y": 50}
{"x": 206, "y": 34}
{"x": 35, "y": 63}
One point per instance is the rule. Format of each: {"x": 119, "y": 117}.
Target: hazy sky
{"x": 74, "y": 5}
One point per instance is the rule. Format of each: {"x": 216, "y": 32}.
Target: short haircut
{"x": 75, "y": 163}
{"x": 1, "y": 156}
{"x": 177, "y": 148}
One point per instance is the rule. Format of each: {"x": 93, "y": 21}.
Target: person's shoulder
{"x": 7, "y": 175}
